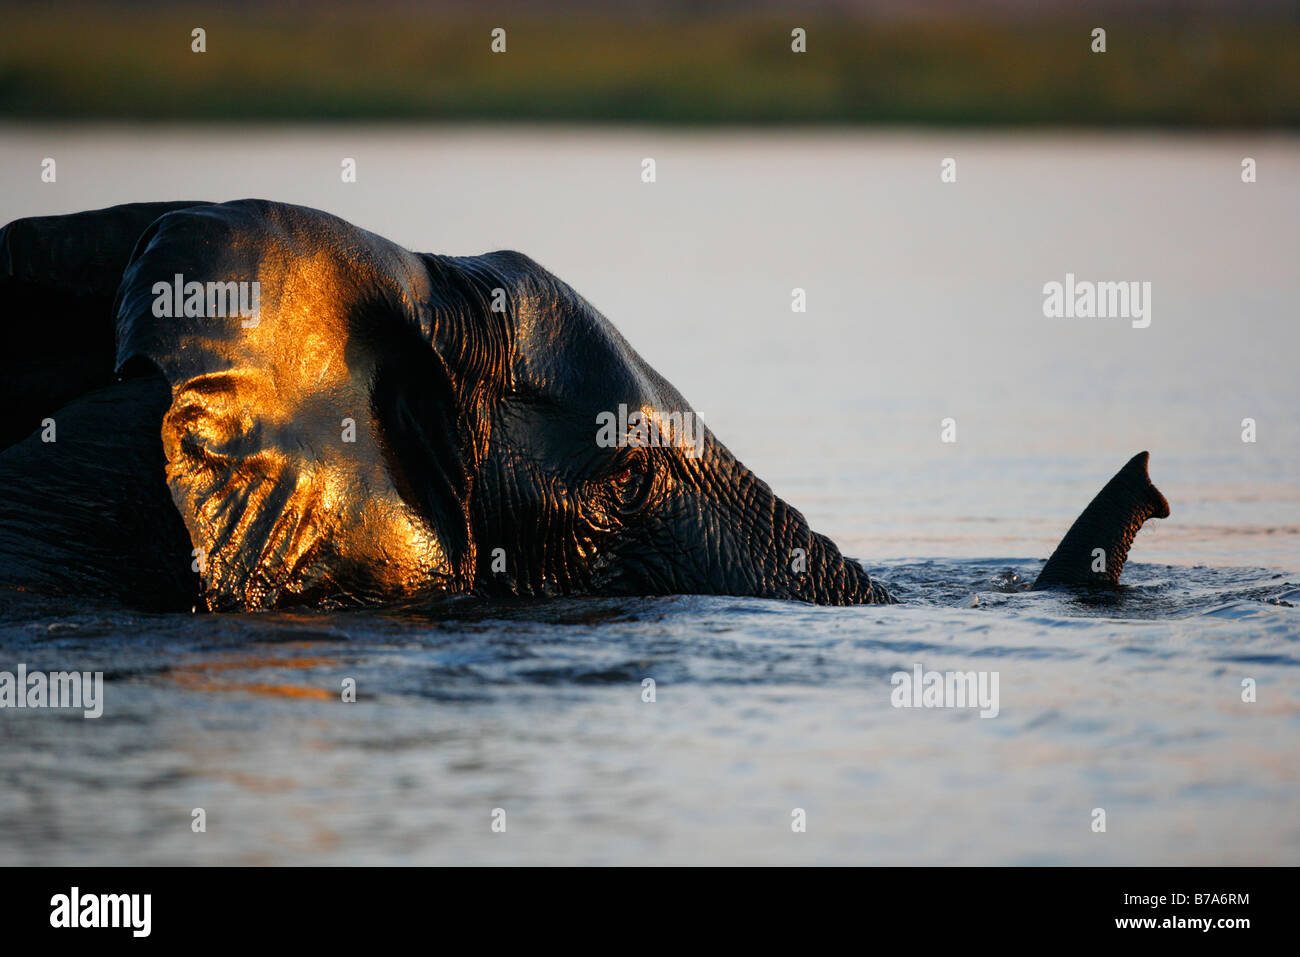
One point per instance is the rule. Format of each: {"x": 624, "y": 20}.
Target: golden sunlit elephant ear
{"x": 313, "y": 448}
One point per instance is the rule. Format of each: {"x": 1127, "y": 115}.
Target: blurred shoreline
{"x": 727, "y": 66}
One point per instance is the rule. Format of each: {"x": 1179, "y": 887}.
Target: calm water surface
{"x": 924, "y": 302}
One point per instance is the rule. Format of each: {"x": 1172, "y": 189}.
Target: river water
{"x": 924, "y": 303}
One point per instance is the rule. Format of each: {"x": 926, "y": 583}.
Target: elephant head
{"x": 388, "y": 424}
{"x": 602, "y": 479}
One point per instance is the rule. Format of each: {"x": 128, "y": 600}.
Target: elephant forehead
{"x": 577, "y": 362}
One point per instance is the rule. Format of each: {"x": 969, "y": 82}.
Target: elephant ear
{"x": 319, "y": 447}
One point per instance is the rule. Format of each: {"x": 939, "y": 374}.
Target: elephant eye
{"x": 630, "y": 484}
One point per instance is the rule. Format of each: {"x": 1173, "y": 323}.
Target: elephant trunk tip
{"x": 1095, "y": 548}
{"x": 1139, "y": 464}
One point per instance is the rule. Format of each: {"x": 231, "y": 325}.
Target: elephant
{"x": 250, "y": 405}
